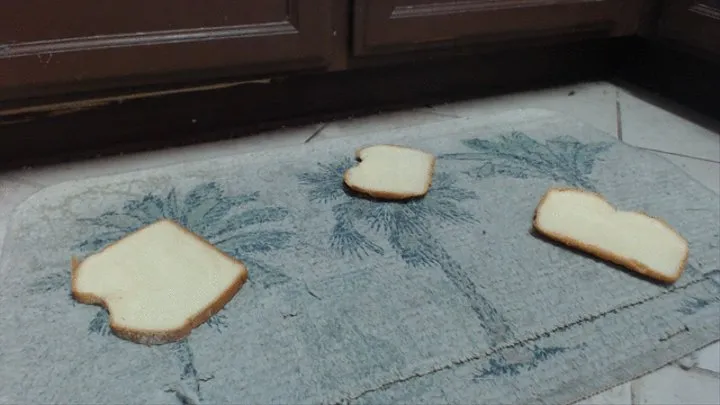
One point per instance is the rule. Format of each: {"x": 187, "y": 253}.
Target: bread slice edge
{"x": 151, "y": 336}
{"x": 606, "y": 255}
{"x": 382, "y": 195}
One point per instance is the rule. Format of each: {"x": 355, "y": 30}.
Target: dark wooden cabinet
{"x": 165, "y": 72}
{"x": 385, "y": 26}
{"x": 49, "y": 48}
{"x": 46, "y": 43}
{"x": 692, "y": 23}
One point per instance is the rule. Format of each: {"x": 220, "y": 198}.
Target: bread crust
{"x": 603, "y": 254}
{"x": 382, "y": 195}
{"x": 159, "y": 337}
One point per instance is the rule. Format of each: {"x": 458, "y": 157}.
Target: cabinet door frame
{"x": 693, "y": 23}
{"x": 302, "y": 39}
{"x": 387, "y": 26}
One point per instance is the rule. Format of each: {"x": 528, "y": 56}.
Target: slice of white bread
{"x": 587, "y": 222}
{"x": 391, "y": 172}
{"x": 158, "y": 283}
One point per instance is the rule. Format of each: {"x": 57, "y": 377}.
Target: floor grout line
{"x": 316, "y": 133}
{"x": 703, "y": 371}
{"x": 618, "y": 115}
{"x": 678, "y": 154}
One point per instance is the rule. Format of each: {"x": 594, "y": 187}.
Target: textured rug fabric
{"x": 446, "y": 299}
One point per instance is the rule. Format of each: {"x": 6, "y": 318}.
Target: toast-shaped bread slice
{"x": 158, "y": 283}
{"x": 391, "y": 172}
{"x": 587, "y": 222}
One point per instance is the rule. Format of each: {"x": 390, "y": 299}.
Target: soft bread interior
{"x": 157, "y": 278}
{"x": 392, "y": 171}
{"x": 593, "y": 223}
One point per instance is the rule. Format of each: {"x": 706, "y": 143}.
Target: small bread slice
{"x": 391, "y": 172}
{"x": 587, "y": 222}
{"x": 158, "y": 283}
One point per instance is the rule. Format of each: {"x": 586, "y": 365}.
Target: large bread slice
{"x": 158, "y": 283}
{"x": 586, "y": 221}
{"x": 391, "y": 172}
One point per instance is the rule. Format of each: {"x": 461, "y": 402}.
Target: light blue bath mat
{"x": 445, "y": 299}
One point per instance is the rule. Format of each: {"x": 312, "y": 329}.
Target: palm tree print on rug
{"x": 407, "y": 227}
{"x": 693, "y": 305}
{"x": 227, "y": 222}
{"x": 516, "y": 155}
{"x": 517, "y": 360}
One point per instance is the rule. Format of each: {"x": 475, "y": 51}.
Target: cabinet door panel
{"x": 23, "y": 22}
{"x": 388, "y": 25}
{"x": 49, "y": 43}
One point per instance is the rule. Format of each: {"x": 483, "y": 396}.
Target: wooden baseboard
{"x": 105, "y": 124}
{"x": 680, "y": 74}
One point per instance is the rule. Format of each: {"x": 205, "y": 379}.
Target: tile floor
{"x": 691, "y": 142}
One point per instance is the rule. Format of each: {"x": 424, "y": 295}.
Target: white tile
{"x": 672, "y": 385}
{"x": 53, "y": 174}
{"x": 654, "y": 127}
{"x": 12, "y": 193}
{"x": 707, "y": 173}
{"x": 381, "y": 123}
{"x": 709, "y": 358}
{"x": 593, "y": 103}
{"x": 620, "y": 395}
